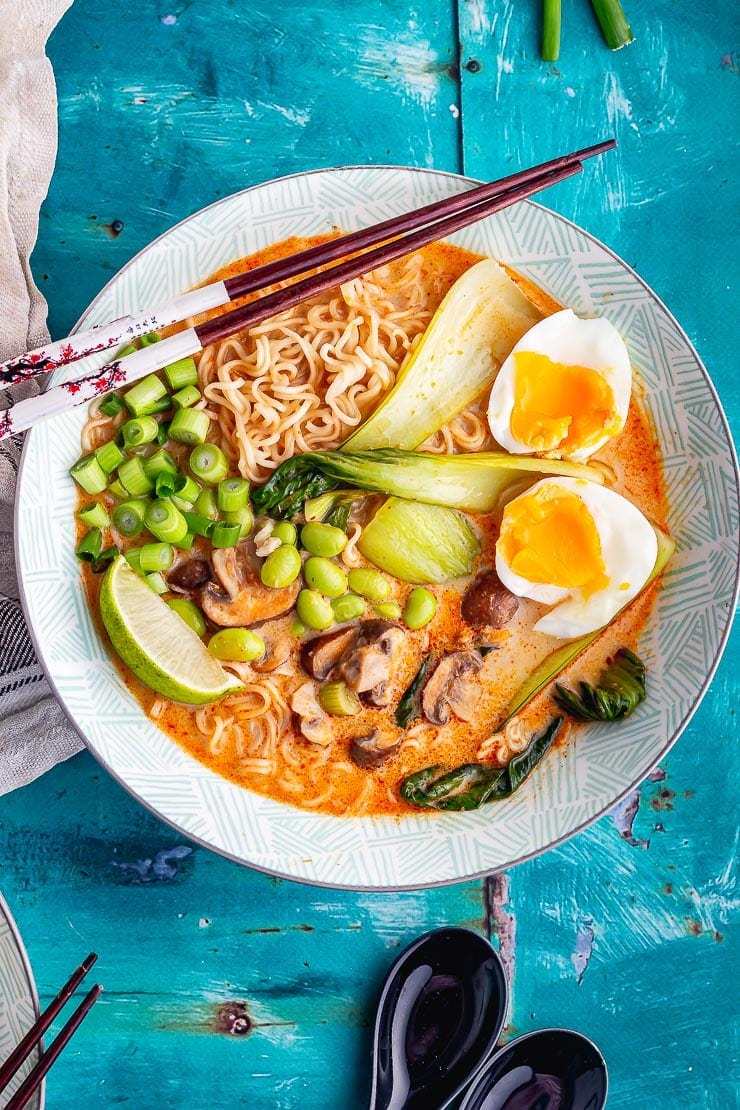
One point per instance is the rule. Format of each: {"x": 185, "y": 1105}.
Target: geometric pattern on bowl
{"x": 19, "y": 1004}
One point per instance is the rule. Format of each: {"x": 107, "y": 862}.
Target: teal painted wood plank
{"x": 164, "y": 108}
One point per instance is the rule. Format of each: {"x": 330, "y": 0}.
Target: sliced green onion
{"x": 164, "y": 484}
{"x": 89, "y": 474}
{"x": 189, "y": 426}
{"x": 181, "y": 373}
{"x": 224, "y": 534}
{"x": 337, "y": 699}
{"x": 159, "y": 461}
{"x": 90, "y": 546}
{"x": 198, "y": 524}
{"x": 112, "y": 405}
{"x": 205, "y": 504}
{"x": 142, "y": 429}
{"x": 133, "y": 558}
{"x": 207, "y": 461}
{"x": 163, "y": 434}
{"x": 127, "y": 350}
{"x": 244, "y": 518}
{"x": 613, "y": 22}
{"x": 149, "y": 338}
{"x": 186, "y": 488}
{"x": 186, "y": 542}
{"x": 164, "y": 404}
{"x": 95, "y": 516}
{"x": 154, "y": 557}
{"x": 165, "y": 521}
{"x": 237, "y": 645}
{"x": 134, "y": 478}
{"x": 190, "y": 613}
{"x": 180, "y": 503}
{"x": 109, "y": 455}
{"x": 128, "y": 517}
{"x": 232, "y": 494}
{"x": 146, "y": 392}
{"x": 105, "y": 557}
{"x": 550, "y": 30}
{"x": 157, "y": 582}
{"x": 118, "y": 490}
{"x": 186, "y": 397}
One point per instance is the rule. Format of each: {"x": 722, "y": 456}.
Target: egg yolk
{"x": 550, "y": 537}
{"x": 560, "y": 406}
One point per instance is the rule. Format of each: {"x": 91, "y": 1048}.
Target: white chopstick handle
{"x": 103, "y": 336}
{"x": 124, "y": 371}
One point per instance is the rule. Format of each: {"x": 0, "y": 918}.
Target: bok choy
{"x": 471, "y": 334}
{"x": 474, "y": 482}
{"x": 419, "y": 543}
{"x": 617, "y": 694}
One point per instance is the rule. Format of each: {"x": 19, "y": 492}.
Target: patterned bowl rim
{"x": 535, "y": 852}
{"x": 15, "y": 933}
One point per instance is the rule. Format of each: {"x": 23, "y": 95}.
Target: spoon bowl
{"x": 440, "y": 1014}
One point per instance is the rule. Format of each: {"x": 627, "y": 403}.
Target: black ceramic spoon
{"x": 440, "y": 1014}
{"x": 550, "y": 1069}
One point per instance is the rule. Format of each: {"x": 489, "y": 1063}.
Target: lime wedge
{"x": 156, "y": 644}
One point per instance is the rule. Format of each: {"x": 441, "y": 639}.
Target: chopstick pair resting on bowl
{"x": 388, "y": 240}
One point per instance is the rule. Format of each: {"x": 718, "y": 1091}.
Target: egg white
{"x": 566, "y": 338}
{"x": 629, "y": 548}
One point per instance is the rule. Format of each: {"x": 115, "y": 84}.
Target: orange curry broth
{"x": 634, "y": 460}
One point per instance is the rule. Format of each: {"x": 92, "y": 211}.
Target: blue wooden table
{"x": 225, "y": 987}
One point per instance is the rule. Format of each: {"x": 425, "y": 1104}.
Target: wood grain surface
{"x": 225, "y": 987}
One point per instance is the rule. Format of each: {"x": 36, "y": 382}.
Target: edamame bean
{"x": 389, "y": 610}
{"x": 281, "y": 567}
{"x": 237, "y": 645}
{"x": 324, "y": 576}
{"x": 314, "y": 610}
{"x": 369, "y": 583}
{"x": 285, "y": 532}
{"x": 347, "y": 607}
{"x": 190, "y": 613}
{"x": 323, "y": 539}
{"x": 297, "y": 629}
{"x": 421, "y": 605}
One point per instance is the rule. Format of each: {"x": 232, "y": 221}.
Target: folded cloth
{"x": 34, "y": 733}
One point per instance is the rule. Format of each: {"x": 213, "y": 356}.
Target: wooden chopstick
{"x": 216, "y": 294}
{"x": 36, "y": 1075}
{"x": 190, "y": 341}
{"x": 37, "y": 1030}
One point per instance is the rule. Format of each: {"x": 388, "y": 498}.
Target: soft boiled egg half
{"x": 577, "y": 546}
{"x": 565, "y": 388}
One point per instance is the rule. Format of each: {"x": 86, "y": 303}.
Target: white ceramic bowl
{"x": 19, "y": 1003}
{"x": 683, "y": 642}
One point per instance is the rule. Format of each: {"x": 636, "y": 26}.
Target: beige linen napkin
{"x": 34, "y": 734}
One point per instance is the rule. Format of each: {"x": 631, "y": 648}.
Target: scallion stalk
{"x": 112, "y": 405}
{"x": 89, "y": 474}
{"x": 133, "y": 558}
{"x": 551, "y": 10}
{"x": 189, "y": 426}
{"x": 128, "y": 518}
{"x": 244, "y": 518}
{"x": 157, "y": 582}
{"x": 141, "y": 429}
{"x": 205, "y": 503}
{"x": 154, "y": 557}
{"x": 190, "y": 613}
{"x": 181, "y": 373}
{"x": 163, "y": 434}
{"x": 186, "y": 397}
{"x": 225, "y": 534}
{"x": 186, "y": 542}
{"x": 164, "y": 404}
{"x": 337, "y": 699}
{"x": 118, "y": 490}
{"x": 613, "y": 22}
{"x": 144, "y": 393}
{"x": 161, "y": 460}
{"x": 207, "y": 461}
{"x": 105, "y": 557}
{"x": 109, "y": 455}
{"x": 165, "y": 521}
{"x": 198, "y": 524}
{"x": 149, "y": 338}
{"x": 134, "y": 478}
{"x": 90, "y": 546}
{"x": 232, "y": 494}
{"x": 164, "y": 484}
{"x": 95, "y": 516}
{"x": 186, "y": 488}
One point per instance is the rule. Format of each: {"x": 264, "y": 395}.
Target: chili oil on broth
{"x": 250, "y": 737}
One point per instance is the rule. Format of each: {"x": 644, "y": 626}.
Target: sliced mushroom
{"x": 378, "y": 697}
{"x": 487, "y": 603}
{"x": 239, "y": 598}
{"x": 373, "y": 749}
{"x": 369, "y": 664}
{"x": 452, "y": 689}
{"x": 189, "y": 576}
{"x": 320, "y": 655}
{"x": 312, "y": 721}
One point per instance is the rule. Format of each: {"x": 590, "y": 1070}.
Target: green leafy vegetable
{"x": 558, "y": 660}
{"x": 619, "y": 691}
{"x": 613, "y": 22}
{"x": 408, "y": 706}
{"x": 471, "y": 785}
{"x": 474, "y": 482}
{"x": 419, "y": 543}
{"x": 470, "y": 335}
{"x": 550, "y": 30}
